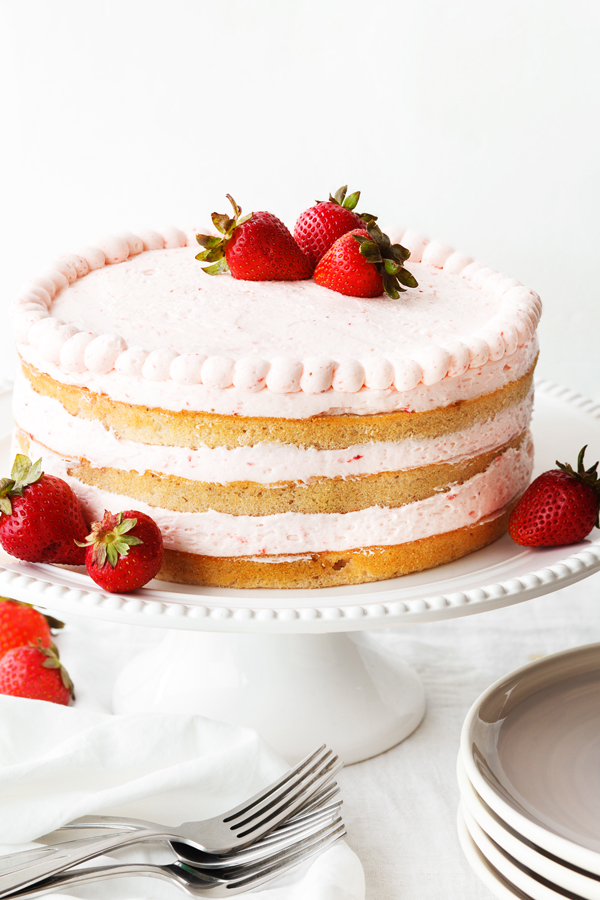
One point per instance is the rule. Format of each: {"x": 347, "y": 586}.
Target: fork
{"x": 196, "y": 882}
{"x": 287, "y": 835}
{"x": 288, "y": 838}
{"x": 220, "y": 835}
{"x": 313, "y": 814}
{"x": 318, "y": 800}
{"x": 291, "y": 832}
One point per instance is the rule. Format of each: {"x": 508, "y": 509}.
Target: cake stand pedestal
{"x": 296, "y": 690}
{"x": 283, "y": 662}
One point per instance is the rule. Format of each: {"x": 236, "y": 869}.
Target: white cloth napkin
{"x": 57, "y": 763}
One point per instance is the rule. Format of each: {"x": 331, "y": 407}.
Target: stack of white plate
{"x": 529, "y": 776}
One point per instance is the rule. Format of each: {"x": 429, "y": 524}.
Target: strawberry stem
{"x": 215, "y": 247}
{"x": 24, "y": 473}
{"x": 586, "y": 476}
{"x": 350, "y": 202}
{"x": 388, "y": 259}
{"x": 52, "y": 661}
{"x": 53, "y": 624}
{"x": 109, "y": 539}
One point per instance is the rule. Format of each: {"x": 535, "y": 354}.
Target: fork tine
{"x": 298, "y": 826}
{"x": 321, "y": 802}
{"x": 290, "y": 789}
{"x": 275, "y": 785}
{"x": 302, "y": 830}
{"x": 320, "y": 799}
{"x": 264, "y": 849}
{"x": 284, "y": 810}
{"x": 304, "y": 767}
{"x": 293, "y": 832}
{"x": 287, "y": 862}
{"x": 234, "y": 872}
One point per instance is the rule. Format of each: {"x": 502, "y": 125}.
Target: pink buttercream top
{"x": 140, "y": 308}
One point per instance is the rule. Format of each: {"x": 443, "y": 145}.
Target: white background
{"x": 474, "y": 121}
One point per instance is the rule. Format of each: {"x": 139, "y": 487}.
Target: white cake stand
{"x": 283, "y": 662}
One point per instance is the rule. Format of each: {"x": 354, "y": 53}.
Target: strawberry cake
{"x": 281, "y": 434}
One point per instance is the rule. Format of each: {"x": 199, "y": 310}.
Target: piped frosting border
{"x": 76, "y": 353}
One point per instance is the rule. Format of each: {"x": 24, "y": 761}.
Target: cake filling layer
{"x": 330, "y": 568}
{"x": 46, "y": 419}
{"x": 327, "y": 495}
{"x": 197, "y": 429}
{"x": 221, "y": 534}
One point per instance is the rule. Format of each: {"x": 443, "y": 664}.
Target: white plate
{"x": 572, "y": 880}
{"x": 530, "y": 746}
{"x": 496, "y": 576}
{"x": 507, "y": 867}
{"x": 484, "y": 870}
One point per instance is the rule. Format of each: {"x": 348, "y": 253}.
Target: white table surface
{"x": 400, "y": 807}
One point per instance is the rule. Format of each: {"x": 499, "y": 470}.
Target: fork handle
{"x": 89, "y": 876}
{"x": 22, "y": 874}
{"x": 118, "y": 822}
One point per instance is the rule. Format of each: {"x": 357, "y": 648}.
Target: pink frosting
{"x": 75, "y": 437}
{"x": 151, "y": 297}
{"x": 218, "y": 534}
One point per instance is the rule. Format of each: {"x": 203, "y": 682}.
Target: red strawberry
{"x": 124, "y": 551}
{"x": 21, "y": 624}
{"x": 255, "y": 247}
{"x": 363, "y": 263}
{"x": 36, "y": 673}
{"x": 40, "y": 516}
{"x": 319, "y": 227}
{"x": 559, "y": 507}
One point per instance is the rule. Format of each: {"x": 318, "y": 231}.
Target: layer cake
{"x": 281, "y": 435}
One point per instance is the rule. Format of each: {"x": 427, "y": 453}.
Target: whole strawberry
{"x": 255, "y": 247}
{"x": 559, "y": 507}
{"x": 364, "y": 263}
{"x": 319, "y": 227}
{"x": 124, "y": 551}
{"x": 21, "y": 624}
{"x": 37, "y": 673}
{"x": 40, "y": 516}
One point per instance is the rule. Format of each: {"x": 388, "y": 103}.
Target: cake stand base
{"x": 297, "y": 690}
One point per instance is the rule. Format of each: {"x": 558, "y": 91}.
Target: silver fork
{"x": 312, "y": 817}
{"x": 220, "y": 835}
{"x": 287, "y": 835}
{"x": 196, "y": 882}
{"x": 122, "y": 823}
{"x": 306, "y": 821}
